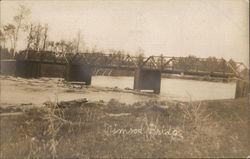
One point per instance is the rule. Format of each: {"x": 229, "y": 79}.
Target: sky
{"x": 202, "y": 28}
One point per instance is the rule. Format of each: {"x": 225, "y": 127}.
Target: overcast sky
{"x": 172, "y": 27}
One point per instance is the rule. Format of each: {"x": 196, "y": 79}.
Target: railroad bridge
{"x": 148, "y": 70}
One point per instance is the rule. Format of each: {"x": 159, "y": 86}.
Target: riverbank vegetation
{"x": 82, "y": 129}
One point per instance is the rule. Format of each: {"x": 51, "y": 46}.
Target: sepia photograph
{"x": 124, "y": 79}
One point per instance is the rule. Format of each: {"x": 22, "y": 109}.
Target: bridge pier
{"x": 242, "y": 89}
{"x": 28, "y": 69}
{"x": 79, "y": 73}
{"x": 8, "y": 67}
{"x": 147, "y": 80}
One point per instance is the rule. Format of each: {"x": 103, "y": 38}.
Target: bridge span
{"x": 148, "y": 70}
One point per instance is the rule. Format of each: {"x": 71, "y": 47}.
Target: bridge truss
{"x": 165, "y": 64}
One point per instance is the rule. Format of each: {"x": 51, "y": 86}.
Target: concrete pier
{"x": 28, "y": 69}
{"x": 79, "y": 73}
{"x": 147, "y": 80}
{"x": 242, "y": 89}
{"x": 8, "y": 67}
{"x": 50, "y": 70}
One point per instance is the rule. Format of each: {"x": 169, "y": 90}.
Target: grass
{"x": 82, "y": 129}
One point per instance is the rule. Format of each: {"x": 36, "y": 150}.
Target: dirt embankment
{"x": 80, "y": 129}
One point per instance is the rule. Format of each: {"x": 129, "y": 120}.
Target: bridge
{"x": 148, "y": 70}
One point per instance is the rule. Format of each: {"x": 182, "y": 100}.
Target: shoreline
{"x": 160, "y": 128}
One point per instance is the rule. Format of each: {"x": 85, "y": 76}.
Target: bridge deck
{"x": 133, "y": 68}
{"x": 166, "y": 64}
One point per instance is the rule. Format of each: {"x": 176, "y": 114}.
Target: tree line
{"x": 36, "y": 35}
{"x": 37, "y": 39}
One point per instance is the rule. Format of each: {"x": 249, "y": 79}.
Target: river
{"x": 178, "y": 89}
{"x": 37, "y": 91}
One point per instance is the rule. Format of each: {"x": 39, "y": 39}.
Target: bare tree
{"x": 140, "y": 54}
{"x": 19, "y": 23}
{"x": 38, "y": 36}
{"x": 87, "y": 50}
{"x": 62, "y": 45}
{"x": 187, "y": 63}
{"x": 9, "y": 31}
{"x": 94, "y": 49}
{"x": 78, "y": 41}
{"x": 30, "y": 37}
{"x": 45, "y": 36}
{"x": 56, "y": 46}
{"x": 69, "y": 47}
{"x": 51, "y": 45}
{"x": 2, "y": 38}
{"x": 211, "y": 64}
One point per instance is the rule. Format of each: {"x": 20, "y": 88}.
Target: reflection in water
{"x": 178, "y": 89}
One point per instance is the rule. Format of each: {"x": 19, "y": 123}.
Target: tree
{"x": 30, "y": 37}
{"x": 69, "y": 47}
{"x": 94, "y": 49}
{"x": 62, "y": 45}
{"x": 211, "y": 64}
{"x": 2, "y": 38}
{"x": 45, "y": 36}
{"x": 187, "y": 63}
{"x": 23, "y": 13}
{"x": 9, "y": 31}
{"x": 77, "y": 42}
{"x": 140, "y": 55}
{"x": 38, "y": 36}
{"x": 51, "y": 45}
{"x": 79, "y": 36}
{"x": 56, "y": 46}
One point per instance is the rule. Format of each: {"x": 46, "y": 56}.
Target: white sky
{"x": 172, "y": 27}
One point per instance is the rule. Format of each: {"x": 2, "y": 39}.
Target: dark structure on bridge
{"x": 78, "y": 67}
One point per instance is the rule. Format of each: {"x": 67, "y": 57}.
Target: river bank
{"x": 158, "y": 129}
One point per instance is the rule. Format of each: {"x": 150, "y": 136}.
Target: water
{"x": 37, "y": 91}
{"x": 178, "y": 89}
{"x": 19, "y": 91}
